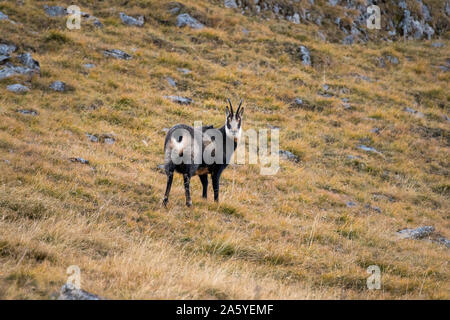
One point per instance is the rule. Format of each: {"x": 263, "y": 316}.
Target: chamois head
{"x": 233, "y": 123}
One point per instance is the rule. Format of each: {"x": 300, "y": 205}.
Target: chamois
{"x": 201, "y": 151}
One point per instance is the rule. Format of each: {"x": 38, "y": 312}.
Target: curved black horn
{"x": 237, "y": 112}
{"x": 231, "y": 106}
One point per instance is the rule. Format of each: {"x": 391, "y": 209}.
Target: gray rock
{"x": 89, "y": 65}
{"x": 58, "y": 86}
{"x": 184, "y": 70}
{"x": 305, "y": 56}
{"x": 139, "y": 21}
{"x": 376, "y": 209}
{"x": 171, "y": 82}
{"x": 179, "y": 100}
{"x": 437, "y": 44}
{"x": 289, "y": 155}
{"x": 418, "y": 233}
{"x": 230, "y": 4}
{"x": 350, "y": 204}
{"x": 69, "y": 292}
{"x": 347, "y": 106}
{"x": 161, "y": 168}
{"x": 375, "y": 130}
{"x": 80, "y": 160}
{"x": 55, "y": 11}
{"x": 447, "y": 8}
{"x": 27, "y": 60}
{"x": 298, "y": 102}
{"x": 412, "y": 111}
{"x": 402, "y": 4}
{"x": 30, "y": 112}
{"x": 96, "y": 22}
{"x": 186, "y": 20}
{"x": 392, "y": 59}
{"x": 7, "y": 49}
{"x": 9, "y": 70}
{"x": 118, "y": 54}
{"x": 17, "y": 88}
{"x": 3, "y": 16}
{"x": 348, "y": 40}
{"x": 91, "y": 137}
{"x": 107, "y": 138}
{"x": 368, "y": 149}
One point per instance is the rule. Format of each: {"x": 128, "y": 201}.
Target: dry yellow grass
{"x": 285, "y": 236}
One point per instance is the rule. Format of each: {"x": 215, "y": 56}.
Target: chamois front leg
{"x": 204, "y": 180}
{"x": 169, "y": 185}
{"x": 215, "y": 180}
{"x": 187, "y": 181}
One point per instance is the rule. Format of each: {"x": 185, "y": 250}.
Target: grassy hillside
{"x": 310, "y": 231}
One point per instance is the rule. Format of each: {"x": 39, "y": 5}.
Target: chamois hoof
{"x": 165, "y": 202}
{"x": 189, "y": 203}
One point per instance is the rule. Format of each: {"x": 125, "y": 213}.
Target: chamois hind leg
{"x": 169, "y": 185}
{"x": 204, "y": 180}
{"x": 187, "y": 181}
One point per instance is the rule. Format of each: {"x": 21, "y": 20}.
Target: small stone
{"x": 91, "y": 137}
{"x": 89, "y": 65}
{"x": 55, "y": 11}
{"x": 80, "y": 160}
{"x": 392, "y": 59}
{"x": 368, "y": 149}
{"x": 350, "y": 204}
{"x": 139, "y": 21}
{"x": 17, "y": 88}
{"x": 375, "y": 130}
{"x": 118, "y": 54}
{"x": 288, "y": 155}
{"x": 180, "y": 100}
{"x": 30, "y": 112}
{"x": 184, "y": 70}
{"x": 171, "y": 82}
{"x": 58, "y": 86}
{"x": 415, "y": 112}
{"x": 3, "y": 16}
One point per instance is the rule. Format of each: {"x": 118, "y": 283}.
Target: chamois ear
{"x": 241, "y": 112}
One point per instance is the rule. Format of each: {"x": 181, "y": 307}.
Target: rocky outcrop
{"x": 350, "y": 17}
{"x": 185, "y": 19}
